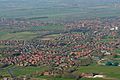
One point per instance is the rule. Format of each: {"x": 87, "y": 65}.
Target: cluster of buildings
{"x": 86, "y": 38}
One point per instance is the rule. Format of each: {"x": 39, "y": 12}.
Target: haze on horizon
{"x": 22, "y": 8}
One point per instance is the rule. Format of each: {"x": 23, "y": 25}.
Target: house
{"x": 106, "y": 52}
{"x": 92, "y": 75}
{"x": 46, "y": 73}
{"x": 99, "y": 76}
{"x": 87, "y": 75}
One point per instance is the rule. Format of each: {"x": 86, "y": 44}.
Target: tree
{"x": 108, "y": 64}
{"x": 115, "y": 64}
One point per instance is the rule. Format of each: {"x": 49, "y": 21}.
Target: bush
{"x": 115, "y": 64}
{"x": 58, "y": 76}
{"x": 71, "y": 70}
{"x": 108, "y": 64}
{"x": 68, "y": 75}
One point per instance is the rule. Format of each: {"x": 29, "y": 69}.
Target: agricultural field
{"x": 50, "y": 31}
{"x": 57, "y": 27}
{"x": 18, "y": 36}
{"x": 58, "y": 10}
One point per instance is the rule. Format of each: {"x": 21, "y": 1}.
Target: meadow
{"x": 18, "y": 36}
{"x": 111, "y": 72}
{"x": 32, "y": 32}
{"x": 52, "y": 27}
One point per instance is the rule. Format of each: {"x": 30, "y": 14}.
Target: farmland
{"x": 18, "y": 35}
{"x": 58, "y": 10}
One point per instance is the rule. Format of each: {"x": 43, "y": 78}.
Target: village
{"x": 83, "y": 43}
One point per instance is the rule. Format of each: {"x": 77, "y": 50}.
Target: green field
{"x": 49, "y": 27}
{"x": 18, "y": 35}
{"x": 21, "y": 71}
{"x": 117, "y": 51}
{"x": 110, "y": 72}
{"x": 51, "y": 78}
